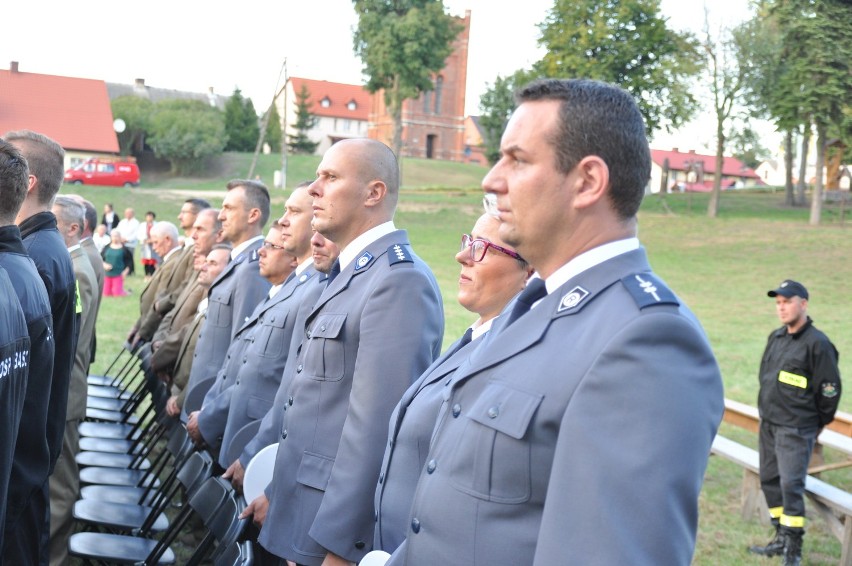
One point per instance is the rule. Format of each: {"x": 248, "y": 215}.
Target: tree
{"x": 625, "y": 42}
{"x": 496, "y": 106}
{"x": 186, "y": 132}
{"x": 726, "y": 82}
{"x": 136, "y": 113}
{"x": 300, "y": 142}
{"x": 240, "y": 123}
{"x": 273, "y": 129}
{"x": 747, "y": 147}
{"x": 402, "y": 43}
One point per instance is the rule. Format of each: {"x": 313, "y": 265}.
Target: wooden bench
{"x": 833, "y": 504}
{"x": 835, "y": 437}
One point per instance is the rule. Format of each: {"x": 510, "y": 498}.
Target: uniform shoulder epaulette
{"x": 254, "y": 256}
{"x": 647, "y": 290}
{"x": 398, "y": 253}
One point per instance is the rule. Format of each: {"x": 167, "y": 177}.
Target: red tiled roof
{"x": 74, "y": 112}
{"x": 339, "y": 95}
{"x": 679, "y": 161}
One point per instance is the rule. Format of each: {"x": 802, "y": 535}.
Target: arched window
{"x": 439, "y": 85}
{"x": 427, "y": 101}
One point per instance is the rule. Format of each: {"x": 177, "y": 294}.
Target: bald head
{"x": 378, "y": 163}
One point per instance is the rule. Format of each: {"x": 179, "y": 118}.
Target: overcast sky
{"x": 192, "y": 45}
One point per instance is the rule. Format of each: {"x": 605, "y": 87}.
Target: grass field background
{"x": 721, "y": 267}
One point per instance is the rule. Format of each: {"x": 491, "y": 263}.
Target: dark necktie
{"x": 464, "y": 341}
{"x": 534, "y": 291}
{"x": 335, "y": 271}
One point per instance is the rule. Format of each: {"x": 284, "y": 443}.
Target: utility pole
{"x": 284, "y": 146}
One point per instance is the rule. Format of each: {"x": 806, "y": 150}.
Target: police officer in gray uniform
{"x": 491, "y": 275}
{"x": 579, "y": 432}
{"x": 373, "y": 331}
{"x": 239, "y": 288}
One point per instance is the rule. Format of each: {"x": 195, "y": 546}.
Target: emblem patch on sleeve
{"x": 829, "y": 390}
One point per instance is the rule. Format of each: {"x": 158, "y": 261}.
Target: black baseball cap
{"x": 789, "y": 288}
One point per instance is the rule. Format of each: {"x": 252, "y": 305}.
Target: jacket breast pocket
{"x": 314, "y": 470}
{"x": 492, "y": 459}
{"x": 270, "y": 336}
{"x": 219, "y": 308}
{"x": 323, "y": 357}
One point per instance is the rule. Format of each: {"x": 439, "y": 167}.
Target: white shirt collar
{"x": 348, "y": 254}
{"x": 74, "y": 247}
{"x": 242, "y": 247}
{"x": 274, "y": 290}
{"x": 482, "y": 328}
{"x": 304, "y": 265}
{"x": 172, "y": 252}
{"x": 587, "y": 260}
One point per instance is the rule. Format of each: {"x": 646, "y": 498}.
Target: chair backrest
{"x": 223, "y": 528}
{"x": 235, "y": 554}
{"x": 197, "y": 468}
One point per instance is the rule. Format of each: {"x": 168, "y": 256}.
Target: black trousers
{"x": 784, "y": 456}
{"x": 25, "y": 540}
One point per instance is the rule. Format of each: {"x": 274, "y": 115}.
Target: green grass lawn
{"x": 721, "y": 267}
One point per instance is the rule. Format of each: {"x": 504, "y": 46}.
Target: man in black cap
{"x": 799, "y": 393}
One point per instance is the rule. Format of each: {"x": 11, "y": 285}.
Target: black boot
{"x": 775, "y": 547}
{"x": 793, "y": 547}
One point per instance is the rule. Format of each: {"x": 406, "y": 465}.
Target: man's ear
{"x": 254, "y": 215}
{"x": 376, "y": 192}
{"x": 32, "y": 182}
{"x": 593, "y": 181}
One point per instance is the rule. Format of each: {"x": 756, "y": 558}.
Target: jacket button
{"x": 322, "y": 328}
{"x": 415, "y": 525}
{"x": 299, "y": 368}
{"x": 430, "y": 467}
{"x": 493, "y": 412}
{"x": 284, "y": 434}
{"x": 307, "y": 333}
{"x": 359, "y": 544}
{"x": 290, "y": 401}
{"x": 382, "y": 477}
{"x": 456, "y": 410}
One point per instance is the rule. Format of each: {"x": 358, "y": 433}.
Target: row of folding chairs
{"x": 136, "y": 463}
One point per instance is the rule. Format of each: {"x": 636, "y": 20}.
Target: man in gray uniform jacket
{"x": 579, "y": 431}
{"x": 373, "y": 331}
{"x": 259, "y": 378}
{"x": 239, "y": 288}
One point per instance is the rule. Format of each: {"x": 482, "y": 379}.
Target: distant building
{"x": 433, "y": 125}
{"x": 771, "y": 172}
{"x": 474, "y": 142}
{"x": 696, "y": 172}
{"x": 341, "y": 109}
{"x": 155, "y": 94}
{"x": 73, "y": 112}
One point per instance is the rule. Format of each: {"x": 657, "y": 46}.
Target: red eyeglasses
{"x": 478, "y": 247}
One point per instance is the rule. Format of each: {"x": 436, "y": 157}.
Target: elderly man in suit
{"x": 206, "y": 232}
{"x": 239, "y": 288}
{"x": 372, "y": 332}
{"x": 65, "y": 480}
{"x": 580, "y": 430}
{"x": 259, "y": 378}
{"x": 491, "y": 275}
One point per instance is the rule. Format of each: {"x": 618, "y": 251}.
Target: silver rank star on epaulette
{"x": 254, "y": 256}
{"x": 363, "y": 261}
{"x": 398, "y": 253}
{"x": 647, "y": 290}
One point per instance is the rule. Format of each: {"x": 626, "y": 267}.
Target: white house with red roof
{"x": 74, "y": 112}
{"x": 692, "y": 171}
{"x": 342, "y": 110}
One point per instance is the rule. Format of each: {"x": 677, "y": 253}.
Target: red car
{"x": 104, "y": 171}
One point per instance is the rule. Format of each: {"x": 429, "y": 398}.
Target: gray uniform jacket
{"x": 173, "y": 328}
{"x": 410, "y": 431}
{"x": 232, "y": 298}
{"x": 264, "y": 343}
{"x": 580, "y": 432}
{"x": 87, "y": 287}
{"x": 371, "y": 334}
{"x": 270, "y": 425}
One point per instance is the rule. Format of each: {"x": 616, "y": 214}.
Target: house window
{"x": 427, "y": 101}
{"x": 439, "y": 85}
{"x": 347, "y": 125}
{"x": 325, "y": 102}
{"x": 352, "y": 105}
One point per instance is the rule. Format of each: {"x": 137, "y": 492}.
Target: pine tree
{"x": 305, "y": 121}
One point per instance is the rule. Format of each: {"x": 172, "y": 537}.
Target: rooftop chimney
{"x": 140, "y": 83}
{"x": 674, "y": 149}
{"x": 13, "y": 66}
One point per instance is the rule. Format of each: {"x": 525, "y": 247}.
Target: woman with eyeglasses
{"x": 491, "y": 274}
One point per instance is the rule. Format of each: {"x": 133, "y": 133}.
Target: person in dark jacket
{"x": 799, "y": 394}
{"x": 47, "y": 249}
{"x": 25, "y": 504}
